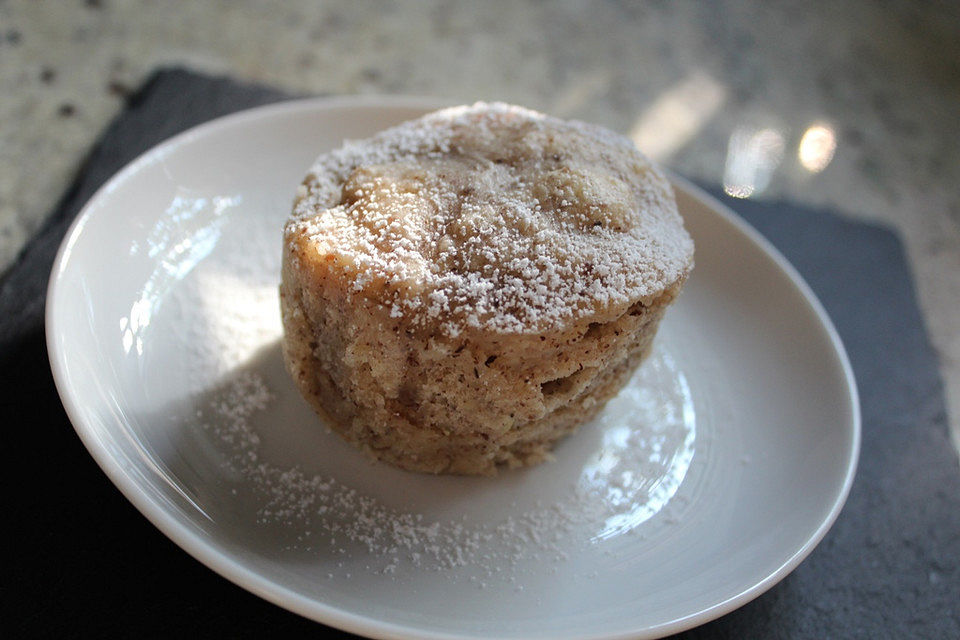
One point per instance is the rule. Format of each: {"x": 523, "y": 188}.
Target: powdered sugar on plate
{"x": 646, "y": 440}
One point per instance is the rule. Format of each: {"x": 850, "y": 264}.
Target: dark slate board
{"x": 86, "y": 563}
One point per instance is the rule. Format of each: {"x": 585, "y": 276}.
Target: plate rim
{"x": 213, "y": 558}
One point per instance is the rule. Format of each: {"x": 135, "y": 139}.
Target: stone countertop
{"x": 847, "y": 106}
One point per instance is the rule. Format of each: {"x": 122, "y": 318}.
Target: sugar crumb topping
{"x": 493, "y": 217}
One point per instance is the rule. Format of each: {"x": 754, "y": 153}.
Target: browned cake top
{"x": 493, "y": 217}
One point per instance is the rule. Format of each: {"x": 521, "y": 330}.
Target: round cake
{"x": 462, "y": 290}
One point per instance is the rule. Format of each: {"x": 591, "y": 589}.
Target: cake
{"x": 461, "y": 291}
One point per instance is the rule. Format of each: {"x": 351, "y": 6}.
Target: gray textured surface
{"x": 890, "y": 567}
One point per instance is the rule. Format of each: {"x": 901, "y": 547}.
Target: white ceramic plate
{"x": 704, "y": 483}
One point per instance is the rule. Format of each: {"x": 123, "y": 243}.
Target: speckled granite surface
{"x": 723, "y": 92}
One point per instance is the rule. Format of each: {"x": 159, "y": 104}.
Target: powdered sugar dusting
{"x": 647, "y": 444}
{"x": 492, "y": 216}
